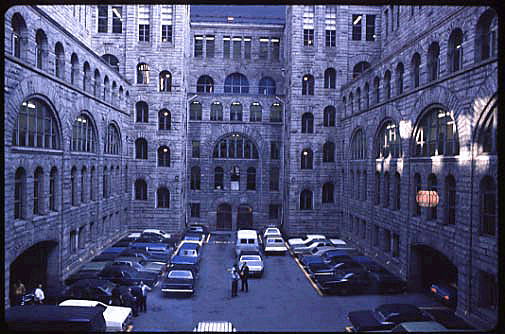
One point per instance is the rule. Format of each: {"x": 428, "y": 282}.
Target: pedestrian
{"x": 19, "y": 292}
{"x": 145, "y": 288}
{"x": 244, "y": 275}
{"x": 39, "y": 295}
{"x": 136, "y": 291}
{"x": 234, "y": 280}
{"x": 129, "y": 301}
{"x": 116, "y": 296}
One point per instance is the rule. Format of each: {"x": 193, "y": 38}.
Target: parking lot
{"x": 282, "y": 300}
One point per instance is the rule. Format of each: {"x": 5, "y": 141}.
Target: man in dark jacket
{"x": 137, "y": 293}
{"x": 116, "y": 296}
{"x": 128, "y": 300}
{"x": 244, "y": 274}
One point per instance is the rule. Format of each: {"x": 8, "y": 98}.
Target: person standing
{"x": 136, "y": 291}
{"x": 244, "y": 275}
{"x": 19, "y": 292}
{"x": 116, "y": 296}
{"x": 234, "y": 280}
{"x": 39, "y": 295}
{"x": 145, "y": 288}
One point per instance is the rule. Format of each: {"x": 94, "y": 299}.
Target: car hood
{"x": 365, "y": 321}
{"x": 115, "y": 316}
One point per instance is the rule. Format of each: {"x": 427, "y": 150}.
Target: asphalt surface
{"x": 282, "y": 300}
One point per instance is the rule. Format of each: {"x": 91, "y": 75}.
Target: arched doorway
{"x": 244, "y": 217}
{"x": 428, "y": 265}
{"x": 38, "y": 264}
{"x": 223, "y": 218}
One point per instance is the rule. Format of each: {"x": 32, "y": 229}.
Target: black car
{"x": 329, "y": 257}
{"x": 344, "y": 282}
{"x": 87, "y": 271}
{"x": 109, "y": 254}
{"x": 126, "y": 275}
{"x": 331, "y": 269}
{"x": 184, "y": 263}
{"x": 446, "y": 317}
{"x": 90, "y": 289}
{"x": 197, "y": 229}
{"x": 385, "y": 317}
{"x": 382, "y": 281}
{"x": 178, "y": 281}
{"x": 155, "y": 238}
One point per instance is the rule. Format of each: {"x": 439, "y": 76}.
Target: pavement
{"x": 283, "y": 299}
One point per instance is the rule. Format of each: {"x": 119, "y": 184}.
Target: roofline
{"x": 237, "y": 25}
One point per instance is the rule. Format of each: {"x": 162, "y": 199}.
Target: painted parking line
{"x": 208, "y": 238}
{"x": 308, "y": 277}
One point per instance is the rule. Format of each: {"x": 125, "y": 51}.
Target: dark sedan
{"x": 178, "y": 281}
{"x": 445, "y": 292}
{"x": 344, "y": 283}
{"x": 90, "y": 289}
{"x": 87, "y": 271}
{"x": 126, "y": 275}
{"x": 385, "y": 317}
{"x": 109, "y": 254}
{"x": 382, "y": 281}
{"x": 184, "y": 263}
{"x": 331, "y": 269}
{"x": 329, "y": 257}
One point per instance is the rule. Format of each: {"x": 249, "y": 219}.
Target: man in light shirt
{"x": 39, "y": 295}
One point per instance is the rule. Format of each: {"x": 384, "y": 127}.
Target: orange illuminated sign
{"x": 427, "y": 198}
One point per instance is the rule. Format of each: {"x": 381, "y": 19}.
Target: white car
{"x": 275, "y": 245}
{"x": 305, "y": 240}
{"x": 158, "y": 232}
{"x": 271, "y": 232}
{"x": 254, "y": 262}
{"x": 117, "y": 318}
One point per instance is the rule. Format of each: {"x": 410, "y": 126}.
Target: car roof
{"x": 51, "y": 313}
{"x": 422, "y": 326}
{"x": 247, "y": 234}
{"x": 398, "y": 308}
{"x": 183, "y": 259}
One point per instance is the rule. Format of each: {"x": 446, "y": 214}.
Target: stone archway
{"x": 223, "y": 217}
{"x": 244, "y": 217}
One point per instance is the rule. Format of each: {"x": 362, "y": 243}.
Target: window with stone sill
{"x": 140, "y": 190}
{"x": 164, "y": 119}
{"x": 328, "y": 192}
{"x": 195, "y": 178}
{"x": 163, "y": 156}
{"x": 329, "y": 114}
{"x": 19, "y": 36}
{"x": 436, "y": 134}
{"x": 163, "y": 198}
{"x": 306, "y": 200}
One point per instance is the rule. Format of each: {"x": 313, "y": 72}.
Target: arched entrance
{"x": 38, "y": 264}
{"x": 244, "y": 217}
{"x": 427, "y": 265}
{"x": 223, "y": 217}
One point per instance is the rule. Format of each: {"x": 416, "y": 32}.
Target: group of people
{"x": 20, "y": 291}
{"x": 243, "y": 275}
{"x": 134, "y": 297}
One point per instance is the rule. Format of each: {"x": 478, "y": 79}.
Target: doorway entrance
{"x": 223, "y": 217}
{"x": 244, "y": 217}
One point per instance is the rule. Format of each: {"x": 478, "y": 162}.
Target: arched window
{"x": 114, "y": 93}
{"x": 432, "y": 185}
{"x": 486, "y": 37}
{"x": 386, "y": 189}
{"x": 306, "y": 200}
{"x": 92, "y": 181}
{"x": 142, "y": 73}
{"x": 488, "y": 206}
{"x": 219, "y": 178}
{"x": 205, "y": 84}
{"x": 255, "y": 112}
{"x": 276, "y": 112}
{"x": 112, "y": 61}
{"x": 450, "y": 200}
{"x": 96, "y": 87}
{"x": 307, "y": 123}
{"x": 19, "y": 193}
{"x": 120, "y": 95}
{"x": 358, "y": 98}
{"x": 235, "y": 178}
{"x": 266, "y": 86}
{"x": 433, "y": 61}
{"x": 251, "y": 178}
{"x": 306, "y": 159}
{"x": 140, "y": 190}
{"x": 329, "y": 116}
{"x": 83, "y": 135}
{"x": 330, "y": 78}
{"x": 163, "y": 156}
{"x": 416, "y": 69}
{"x": 86, "y": 76}
{"x": 53, "y": 187}
{"x": 377, "y": 188}
{"x": 59, "y": 61}
{"x": 105, "y": 183}
{"x": 163, "y": 196}
{"x": 399, "y": 79}
{"x": 388, "y": 142}
{"x": 360, "y": 68}
{"x": 274, "y": 179}
{"x": 236, "y": 111}
{"x": 236, "y": 83}
{"x": 164, "y": 119}
{"x": 455, "y": 52}
{"x": 36, "y": 126}
{"x": 165, "y": 81}
{"x": 195, "y": 178}
{"x": 106, "y": 95}
{"x": 38, "y": 191}
{"x": 112, "y": 140}
{"x": 351, "y": 103}
{"x": 73, "y": 186}
{"x": 436, "y": 134}
{"x": 19, "y": 36}
{"x": 366, "y": 98}
{"x": 365, "y": 186}
{"x": 74, "y": 73}
{"x": 235, "y": 146}
{"x": 41, "y": 49}
{"x": 141, "y": 149}
{"x": 308, "y": 85}
{"x": 387, "y": 84}
{"x": 329, "y": 152}
{"x": 195, "y": 111}
{"x": 417, "y": 187}
{"x": 216, "y": 111}
{"x": 142, "y": 112}
{"x": 83, "y": 184}
{"x": 358, "y": 145}
{"x": 397, "y": 193}
{"x": 486, "y": 129}
{"x": 328, "y": 190}
{"x": 376, "y": 87}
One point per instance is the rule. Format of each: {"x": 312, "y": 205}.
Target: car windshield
{"x": 272, "y": 231}
{"x": 250, "y": 258}
{"x": 274, "y": 241}
{"x": 251, "y": 263}
{"x": 180, "y": 274}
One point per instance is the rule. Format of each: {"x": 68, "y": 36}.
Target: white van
{"x": 247, "y": 240}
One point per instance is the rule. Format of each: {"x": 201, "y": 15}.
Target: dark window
{"x": 375, "y": 238}
{"x": 397, "y": 193}
{"x": 251, "y": 178}
{"x": 417, "y": 188}
{"x": 366, "y": 98}
{"x": 96, "y": 86}
{"x": 144, "y": 32}
{"x": 331, "y": 38}
{"x": 276, "y": 112}
{"x": 205, "y": 84}
{"x": 376, "y": 85}
{"x": 387, "y": 240}
{"x": 307, "y": 123}
{"x": 488, "y": 205}
{"x": 274, "y": 179}
{"x": 163, "y": 196}
{"x": 360, "y": 68}
{"x": 102, "y": 18}
{"x": 140, "y": 190}
{"x": 370, "y": 28}
{"x": 387, "y": 85}
{"x": 308, "y": 37}
{"x": 275, "y": 150}
{"x": 328, "y": 190}
{"x": 59, "y": 61}
{"x": 216, "y": 111}
{"x": 195, "y": 149}
{"x": 486, "y": 131}
{"x": 210, "y": 45}
{"x": 276, "y": 49}
{"x": 255, "y": 113}
{"x": 306, "y": 200}
{"x": 117, "y": 19}
{"x": 165, "y": 81}
{"x": 450, "y": 200}
{"x": 236, "y": 111}
{"x": 488, "y": 291}
{"x": 73, "y": 186}
{"x": 486, "y": 37}
{"x": 308, "y": 25}
{"x": 226, "y": 46}
{"x": 236, "y": 83}
{"x": 247, "y": 47}
{"x": 198, "y": 46}
{"x": 73, "y": 242}
{"x": 19, "y": 37}
{"x": 266, "y": 86}
{"x": 142, "y": 74}
{"x": 166, "y": 23}
{"x": 356, "y": 27}
{"x": 112, "y": 143}
{"x": 331, "y": 26}
{"x": 164, "y": 119}
{"x": 274, "y": 211}
{"x": 92, "y": 178}
{"x": 308, "y": 85}
{"x": 396, "y": 245}
{"x": 358, "y": 145}
{"x": 112, "y": 61}
{"x": 237, "y": 47}
{"x": 306, "y": 159}
{"x": 143, "y": 21}
{"x": 329, "y": 152}
{"x": 38, "y": 191}
{"x": 399, "y": 79}
{"x": 436, "y": 134}
{"x": 455, "y": 52}
{"x": 416, "y": 69}
{"x": 53, "y": 179}
{"x": 141, "y": 149}
{"x": 195, "y": 178}
{"x": 235, "y": 146}
{"x": 432, "y": 185}
{"x": 195, "y": 111}
{"x": 330, "y": 78}
{"x": 386, "y": 189}
{"x": 377, "y": 188}
{"x": 83, "y": 135}
{"x": 365, "y": 186}
{"x": 329, "y": 116}
{"x": 163, "y": 156}
{"x": 388, "y": 142}
{"x": 263, "y": 52}
{"x": 195, "y": 210}
{"x": 433, "y": 61}
{"x": 219, "y": 178}
{"x": 142, "y": 112}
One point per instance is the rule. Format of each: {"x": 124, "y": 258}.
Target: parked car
{"x": 186, "y": 252}
{"x": 136, "y": 252}
{"x": 382, "y": 281}
{"x": 419, "y": 327}
{"x": 197, "y": 229}
{"x": 156, "y": 232}
{"x": 251, "y": 252}
{"x": 157, "y": 267}
{"x": 199, "y": 238}
{"x": 275, "y": 245}
{"x": 124, "y": 242}
{"x": 329, "y": 257}
{"x": 445, "y": 292}
{"x": 93, "y": 289}
{"x": 117, "y": 318}
{"x": 300, "y": 250}
{"x": 126, "y": 275}
{"x": 178, "y": 281}
{"x": 246, "y": 240}
{"x": 316, "y": 251}
{"x": 189, "y": 244}
{"x": 154, "y": 251}
{"x": 184, "y": 263}
{"x": 344, "y": 282}
{"x": 271, "y": 231}
{"x": 88, "y": 270}
{"x": 385, "y": 317}
{"x": 109, "y": 254}
{"x": 254, "y": 262}
{"x": 331, "y": 269}
{"x": 446, "y": 317}
{"x": 129, "y": 261}
{"x": 305, "y": 239}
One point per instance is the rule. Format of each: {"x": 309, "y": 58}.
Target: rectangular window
{"x": 103, "y": 18}
{"x": 237, "y": 47}
{"x": 274, "y": 211}
{"x": 247, "y": 47}
{"x": 210, "y": 46}
{"x": 195, "y": 210}
{"x": 274, "y": 179}
{"x": 275, "y": 150}
{"x": 488, "y": 290}
{"x": 363, "y": 229}
{"x": 396, "y": 245}
{"x": 73, "y": 242}
{"x": 195, "y": 148}
{"x": 81, "y": 239}
{"x": 331, "y": 26}
{"x": 308, "y": 26}
{"x": 308, "y": 37}
{"x": 226, "y": 46}
{"x": 91, "y": 231}
{"x": 356, "y": 27}
{"x": 166, "y": 23}
{"x": 370, "y": 27}
{"x": 198, "y": 46}
{"x": 387, "y": 240}
{"x": 386, "y": 18}
{"x": 264, "y": 48}
{"x": 276, "y": 48}
{"x": 117, "y": 19}
{"x": 143, "y": 23}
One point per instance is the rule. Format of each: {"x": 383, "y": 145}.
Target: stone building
{"x": 329, "y": 119}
